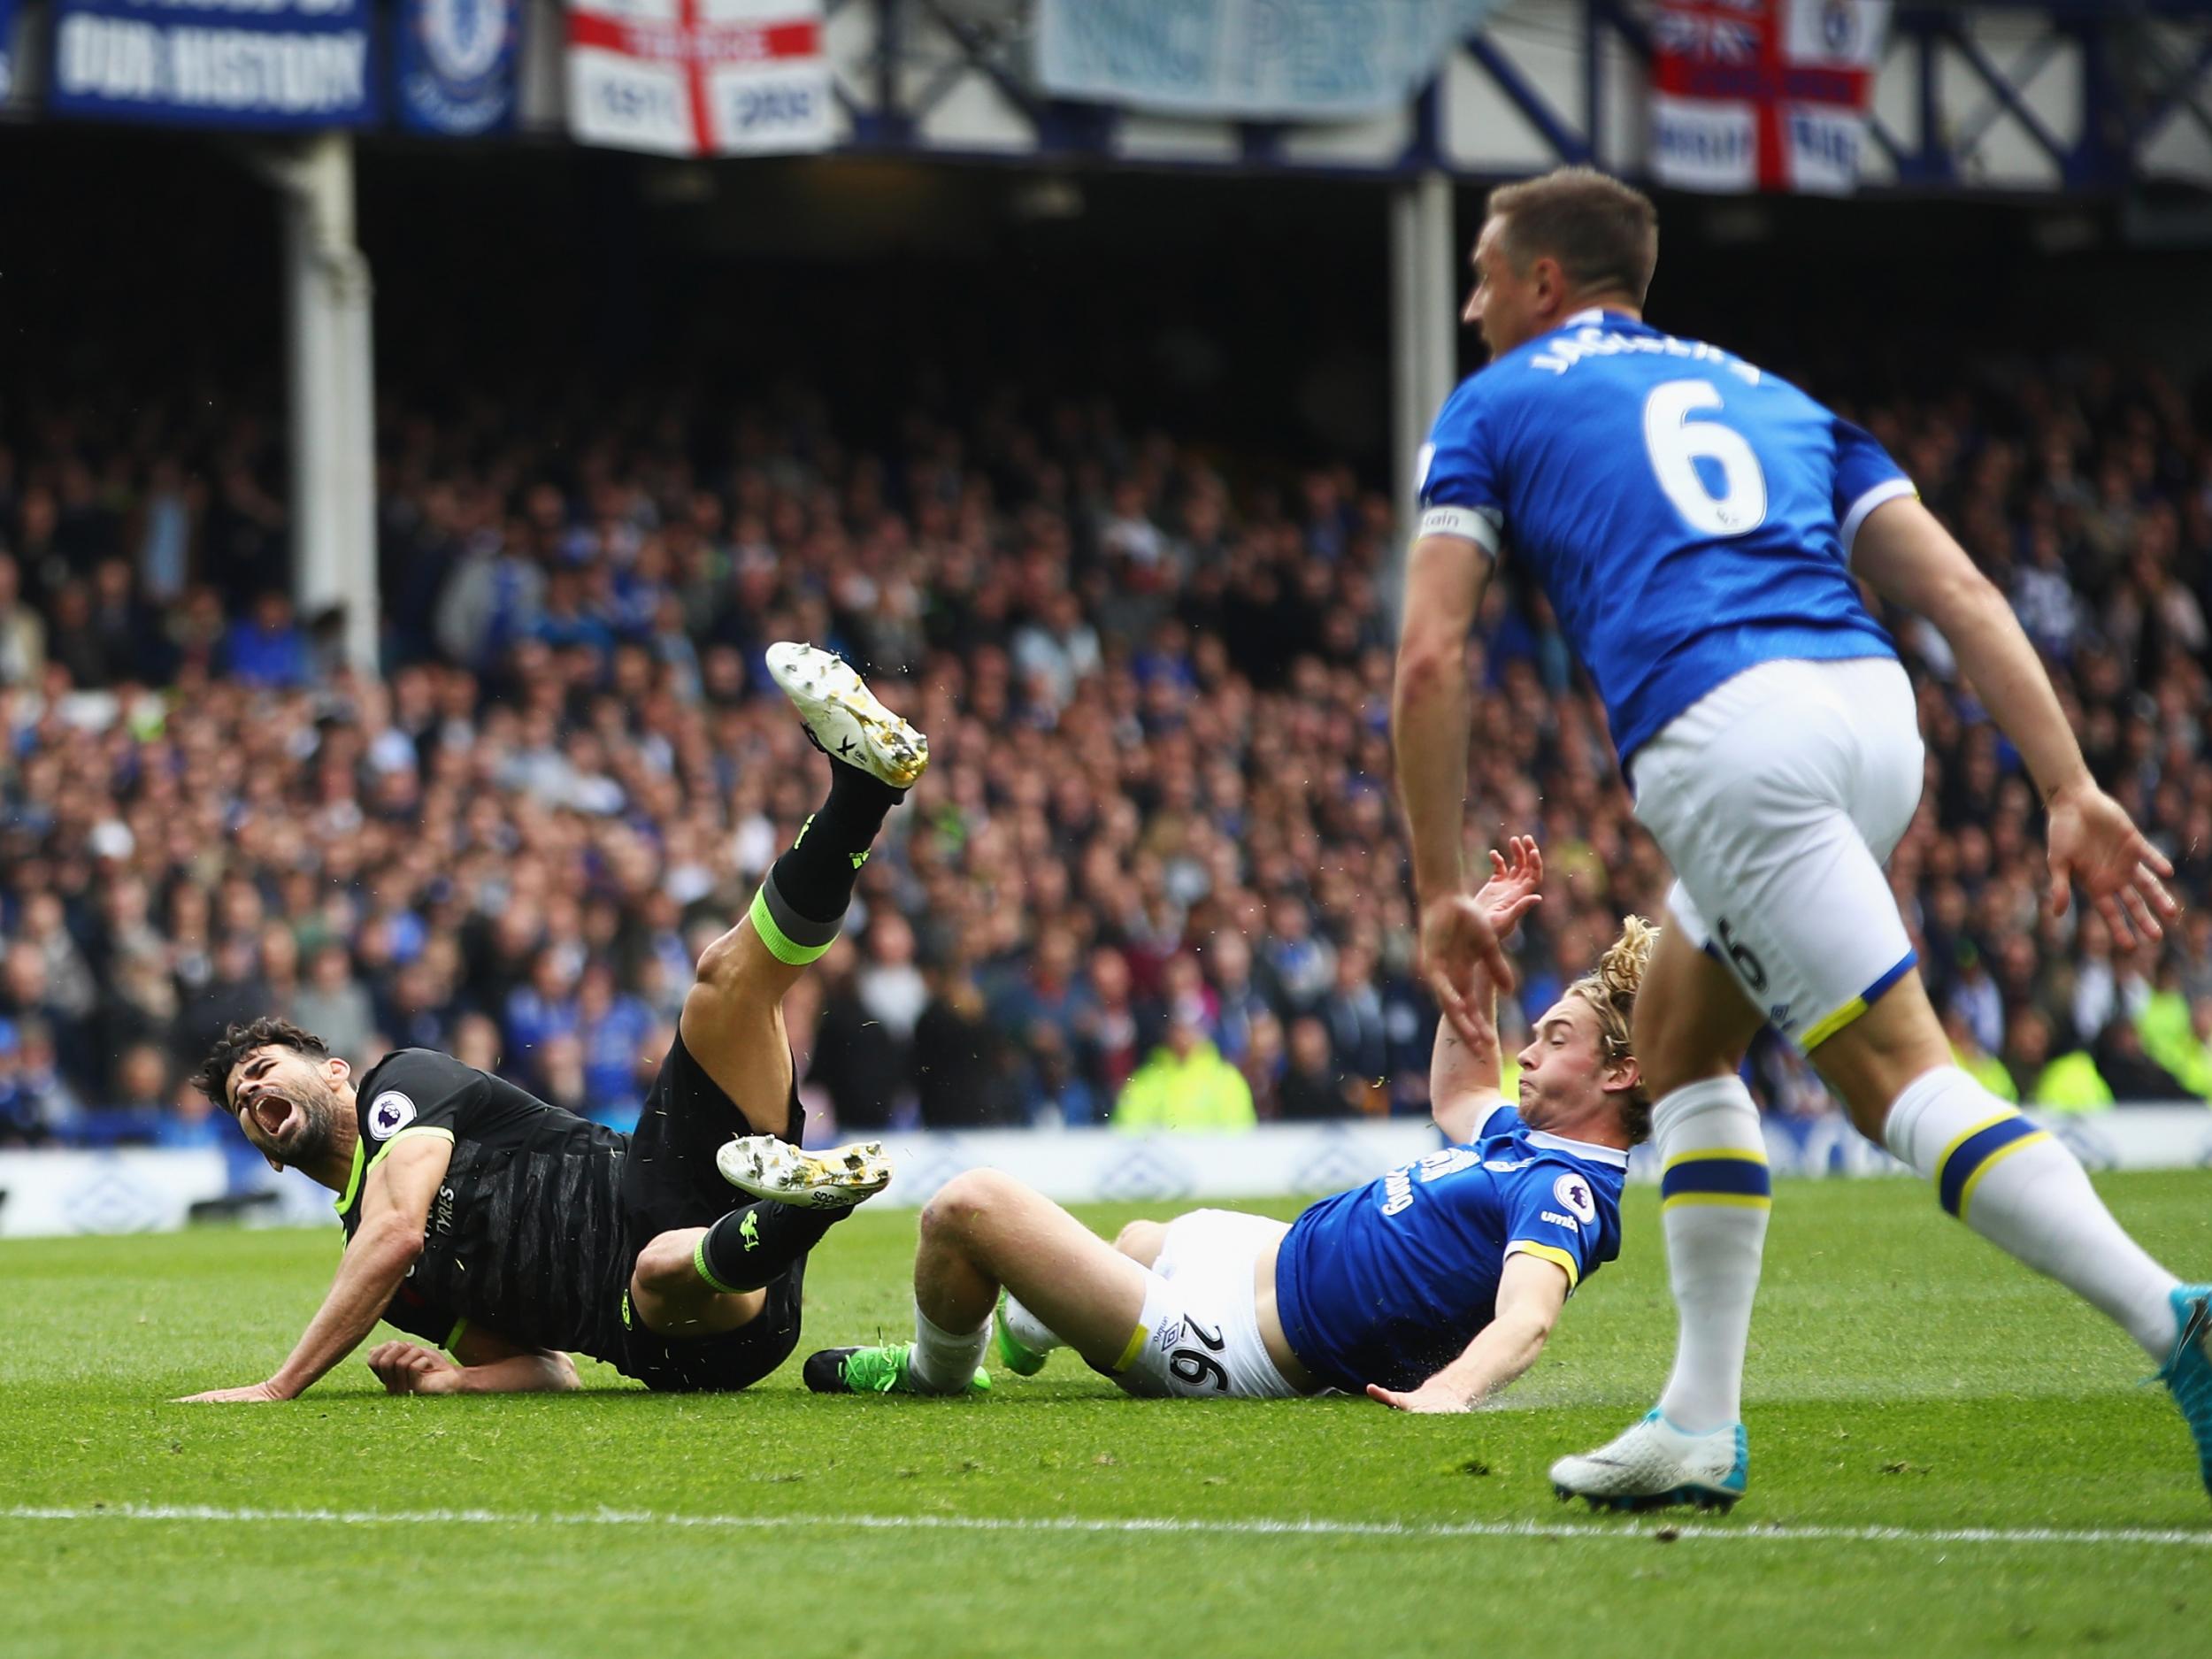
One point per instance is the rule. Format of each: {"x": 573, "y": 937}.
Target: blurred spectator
{"x": 1185, "y": 1084}
{"x": 1976, "y": 1062}
{"x": 36, "y": 1102}
{"x": 540, "y": 1010}
{"x": 476, "y": 1042}
{"x": 22, "y": 631}
{"x": 891, "y": 988}
{"x": 194, "y": 1123}
{"x": 1156, "y": 680}
{"x": 959, "y": 1083}
{"x": 2069, "y": 1082}
{"x": 856, "y": 1061}
{"x": 613, "y": 1027}
{"x": 1312, "y": 1087}
{"x": 269, "y": 650}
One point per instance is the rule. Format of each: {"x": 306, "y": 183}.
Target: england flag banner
{"x": 698, "y": 76}
{"x": 1762, "y": 95}
{"x": 280, "y": 64}
{"x": 456, "y": 65}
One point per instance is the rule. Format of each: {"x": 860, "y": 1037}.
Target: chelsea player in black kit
{"x": 512, "y": 1233}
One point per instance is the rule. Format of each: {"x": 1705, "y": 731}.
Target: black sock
{"x": 756, "y": 1243}
{"x": 814, "y": 880}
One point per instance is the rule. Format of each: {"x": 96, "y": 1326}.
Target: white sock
{"x": 1714, "y": 1199}
{"x": 1027, "y": 1329}
{"x": 941, "y": 1362}
{"x": 2025, "y": 1193}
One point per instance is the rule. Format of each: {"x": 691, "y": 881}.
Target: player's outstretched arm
{"x": 1910, "y": 558}
{"x": 1466, "y": 1066}
{"x": 395, "y": 1207}
{"x": 1531, "y": 1293}
{"x": 1429, "y": 727}
{"x": 488, "y": 1364}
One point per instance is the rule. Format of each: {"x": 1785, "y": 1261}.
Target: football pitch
{"x": 1948, "y": 1456}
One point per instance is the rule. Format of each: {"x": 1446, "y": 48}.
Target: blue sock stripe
{"x": 1873, "y": 992}
{"x": 1971, "y": 1152}
{"x": 1726, "y": 1173}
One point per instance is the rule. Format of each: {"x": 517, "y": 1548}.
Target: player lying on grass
{"x": 1432, "y": 1288}
{"x": 1701, "y": 529}
{"x": 512, "y": 1232}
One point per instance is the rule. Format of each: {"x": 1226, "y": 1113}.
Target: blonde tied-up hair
{"x": 1611, "y": 990}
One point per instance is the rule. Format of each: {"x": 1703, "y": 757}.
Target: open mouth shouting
{"x": 281, "y": 1119}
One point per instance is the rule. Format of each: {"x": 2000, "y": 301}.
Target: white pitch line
{"x": 1699, "y": 1531}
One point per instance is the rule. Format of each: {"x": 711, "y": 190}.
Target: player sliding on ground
{"x": 1700, "y": 528}
{"x": 1432, "y": 1288}
{"x": 512, "y": 1232}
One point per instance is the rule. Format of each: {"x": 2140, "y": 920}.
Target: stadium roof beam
{"x": 329, "y": 310}
{"x": 2021, "y": 97}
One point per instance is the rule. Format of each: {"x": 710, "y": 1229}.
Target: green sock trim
{"x": 699, "y": 1260}
{"x": 781, "y": 945}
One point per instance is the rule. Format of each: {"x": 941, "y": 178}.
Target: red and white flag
{"x": 698, "y": 76}
{"x": 1763, "y": 94}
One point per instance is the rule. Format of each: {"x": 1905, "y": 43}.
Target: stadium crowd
{"x": 1154, "y": 876}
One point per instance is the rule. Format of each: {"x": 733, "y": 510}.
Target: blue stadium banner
{"x": 7, "y": 50}
{"x": 456, "y": 65}
{"x": 253, "y": 64}
{"x": 1274, "y": 60}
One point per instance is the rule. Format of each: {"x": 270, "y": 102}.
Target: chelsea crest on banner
{"x": 456, "y": 65}
{"x": 698, "y": 76}
{"x": 1762, "y": 95}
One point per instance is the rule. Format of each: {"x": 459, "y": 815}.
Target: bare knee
{"x": 666, "y": 1266}
{"x": 733, "y": 963}
{"x": 1140, "y": 1240}
{"x": 964, "y": 1205}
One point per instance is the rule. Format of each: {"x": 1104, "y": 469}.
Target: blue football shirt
{"x": 1688, "y": 515}
{"x": 1389, "y": 1282}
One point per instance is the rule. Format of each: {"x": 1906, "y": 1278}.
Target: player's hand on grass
{"x": 409, "y": 1368}
{"x": 1517, "y": 876}
{"x": 258, "y": 1394}
{"x": 2095, "y": 846}
{"x": 1458, "y": 942}
{"x": 1431, "y": 1396}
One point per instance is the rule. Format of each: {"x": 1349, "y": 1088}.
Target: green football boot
{"x": 872, "y": 1370}
{"x": 1023, "y": 1361}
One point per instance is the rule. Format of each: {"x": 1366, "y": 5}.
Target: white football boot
{"x": 843, "y": 716}
{"x": 834, "y": 1179}
{"x": 1655, "y": 1465}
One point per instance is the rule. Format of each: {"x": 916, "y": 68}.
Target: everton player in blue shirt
{"x": 1430, "y": 1288}
{"x": 1701, "y": 529}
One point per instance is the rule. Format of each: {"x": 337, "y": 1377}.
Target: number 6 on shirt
{"x": 1676, "y": 444}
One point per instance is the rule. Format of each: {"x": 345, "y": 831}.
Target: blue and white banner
{"x": 7, "y": 50}
{"x": 146, "y": 1191}
{"x": 1273, "y": 60}
{"x": 295, "y": 63}
{"x": 456, "y": 65}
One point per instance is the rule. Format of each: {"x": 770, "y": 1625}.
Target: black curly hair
{"x": 237, "y": 1041}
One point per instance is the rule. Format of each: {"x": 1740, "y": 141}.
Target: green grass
{"x": 1903, "y": 1375}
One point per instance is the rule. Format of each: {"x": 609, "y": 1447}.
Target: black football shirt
{"x": 526, "y": 1234}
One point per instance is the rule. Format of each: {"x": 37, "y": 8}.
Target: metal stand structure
{"x": 329, "y": 302}
{"x": 2049, "y": 100}
{"x": 1424, "y": 318}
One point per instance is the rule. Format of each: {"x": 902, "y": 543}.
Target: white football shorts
{"x": 1777, "y": 797}
{"x": 1199, "y": 1337}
